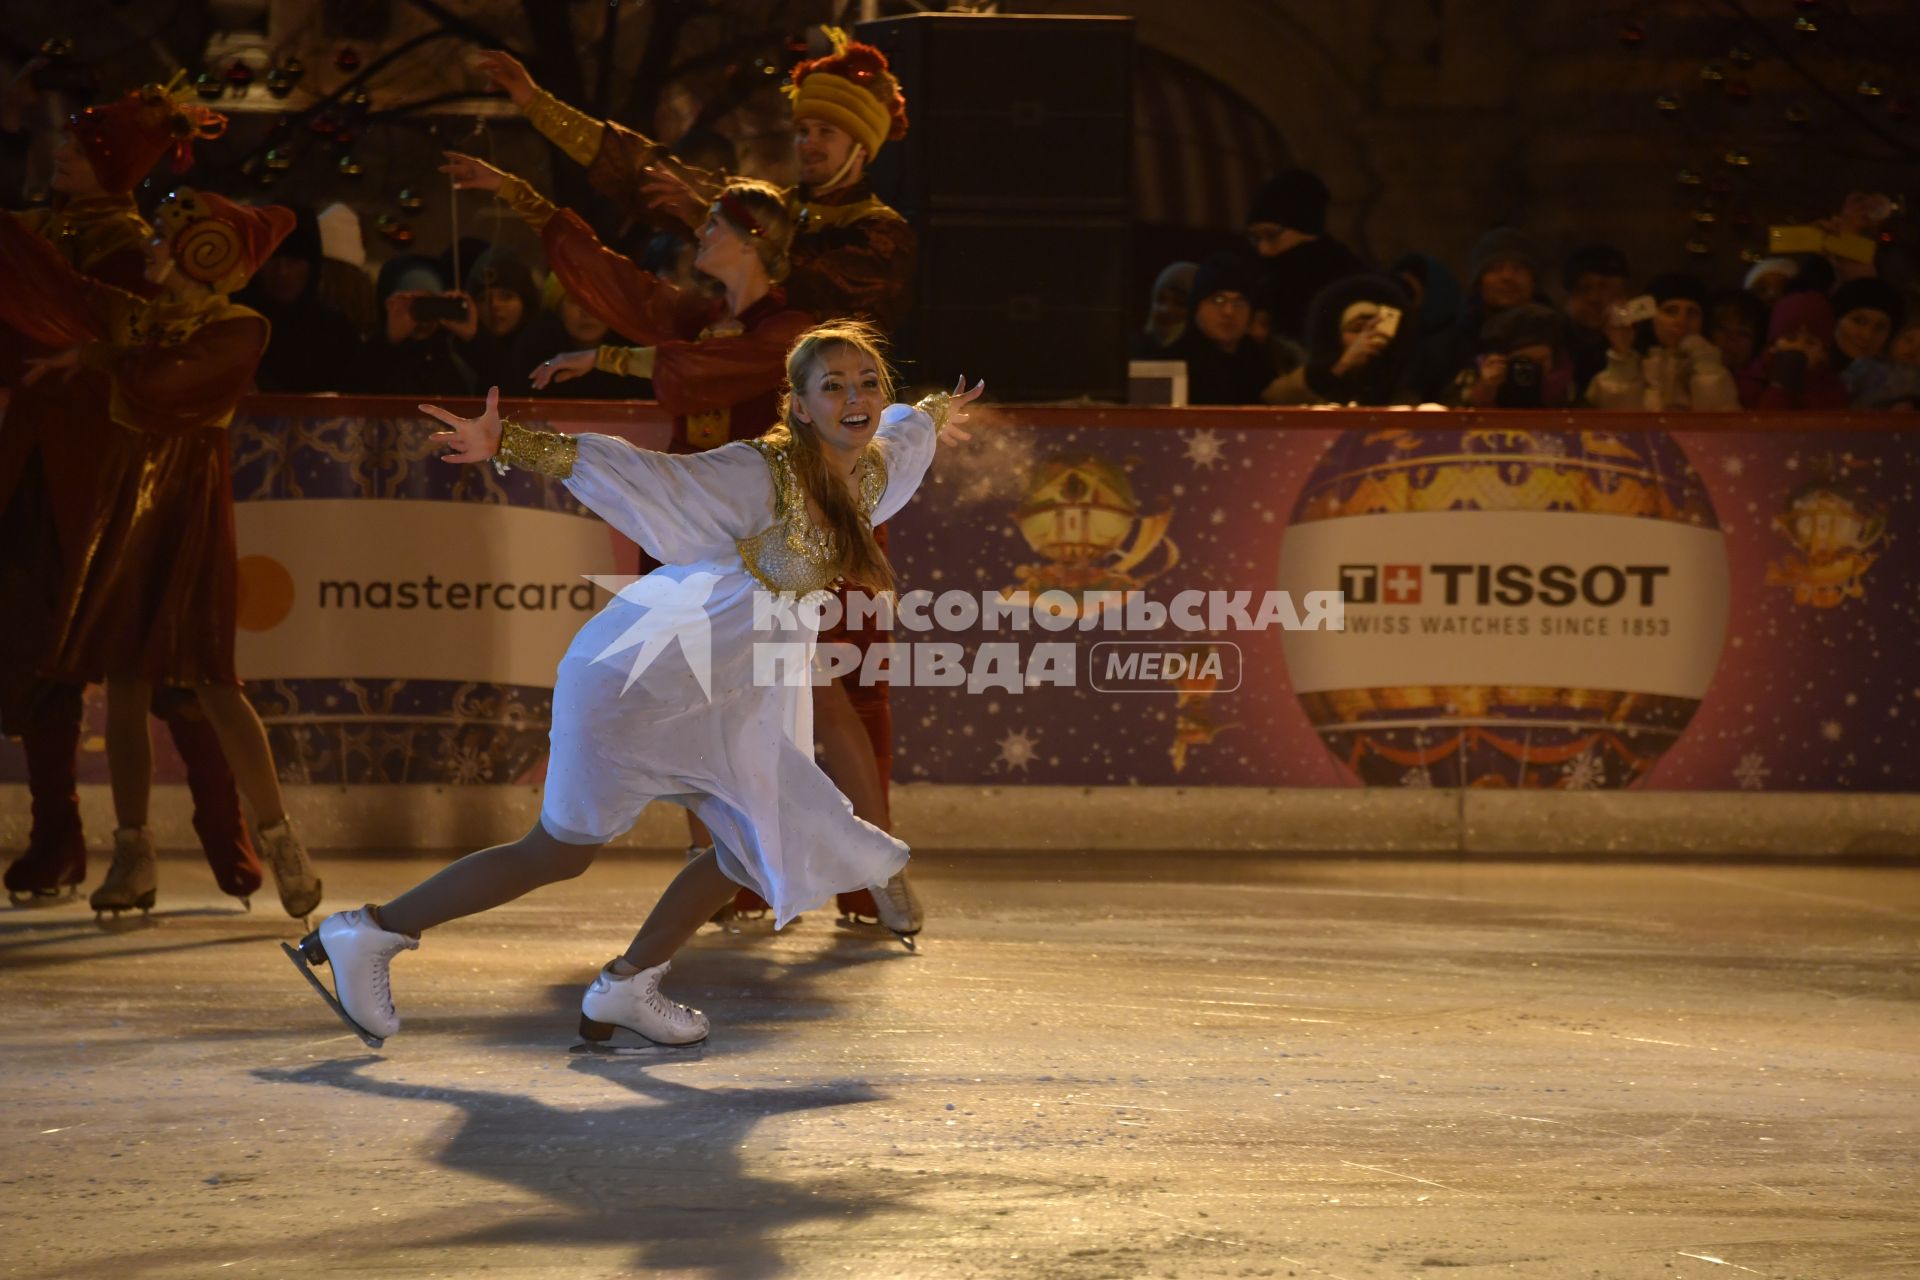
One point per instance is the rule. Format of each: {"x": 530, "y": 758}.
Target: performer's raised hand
{"x": 508, "y": 74}
{"x": 470, "y": 173}
{"x": 672, "y": 193}
{"x": 468, "y": 439}
{"x": 950, "y": 432}
{"x": 564, "y": 367}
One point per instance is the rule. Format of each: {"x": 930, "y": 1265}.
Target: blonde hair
{"x": 861, "y": 559}
{"x": 774, "y": 239}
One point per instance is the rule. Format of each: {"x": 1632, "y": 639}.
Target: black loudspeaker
{"x": 1017, "y": 176}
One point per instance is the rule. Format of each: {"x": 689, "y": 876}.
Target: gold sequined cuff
{"x": 534, "y": 209}
{"x": 629, "y": 362}
{"x": 549, "y": 453}
{"x": 938, "y": 406}
{"x": 573, "y": 131}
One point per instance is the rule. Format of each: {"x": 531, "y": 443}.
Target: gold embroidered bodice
{"x": 793, "y": 554}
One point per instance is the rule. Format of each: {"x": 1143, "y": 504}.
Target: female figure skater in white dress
{"x": 660, "y": 696}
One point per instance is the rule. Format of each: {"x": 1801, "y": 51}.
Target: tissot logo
{"x": 1553, "y": 585}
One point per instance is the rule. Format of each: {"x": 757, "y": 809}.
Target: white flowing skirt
{"x": 633, "y": 724}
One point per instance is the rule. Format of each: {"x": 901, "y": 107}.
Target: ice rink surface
{"x": 1098, "y": 1066}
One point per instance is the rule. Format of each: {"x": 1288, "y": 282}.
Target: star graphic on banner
{"x": 676, "y": 612}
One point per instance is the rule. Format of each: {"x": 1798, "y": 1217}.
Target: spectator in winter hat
{"x": 1225, "y": 364}
{"x": 1797, "y": 370}
{"x": 314, "y": 346}
{"x": 1892, "y": 383}
{"x": 1524, "y": 362}
{"x": 1665, "y": 364}
{"x": 416, "y": 356}
{"x": 1361, "y": 336}
{"x": 506, "y": 298}
{"x": 1288, "y": 227}
{"x": 1168, "y": 309}
{"x": 1595, "y": 278}
{"x": 1866, "y": 312}
{"x": 1871, "y": 315}
{"x": 1736, "y": 321}
{"x": 1505, "y": 272}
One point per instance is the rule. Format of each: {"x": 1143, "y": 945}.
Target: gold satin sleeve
{"x": 630, "y": 362}
{"x": 572, "y": 130}
{"x": 533, "y": 208}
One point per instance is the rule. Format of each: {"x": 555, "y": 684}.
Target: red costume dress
{"x": 56, "y": 450}
{"x": 852, "y": 257}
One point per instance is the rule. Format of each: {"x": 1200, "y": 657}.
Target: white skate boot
{"x": 634, "y": 1003}
{"x": 360, "y": 952}
{"x": 292, "y": 870}
{"x": 899, "y": 908}
{"x": 133, "y": 878}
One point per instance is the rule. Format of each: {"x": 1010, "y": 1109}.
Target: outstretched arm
{"x": 682, "y": 508}
{"x": 907, "y": 438}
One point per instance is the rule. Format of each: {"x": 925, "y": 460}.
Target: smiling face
{"x": 841, "y": 397}
{"x": 822, "y": 149}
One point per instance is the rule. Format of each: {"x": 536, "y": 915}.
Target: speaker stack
{"x": 1016, "y": 174}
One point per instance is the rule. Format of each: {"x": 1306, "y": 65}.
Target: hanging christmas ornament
{"x": 209, "y": 86}
{"x": 1900, "y": 107}
{"x": 1738, "y": 159}
{"x": 1699, "y": 247}
{"x": 1633, "y": 35}
{"x": 326, "y": 124}
{"x": 1667, "y": 104}
{"x": 1797, "y": 115}
{"x": 280, "y": 159}
{"x": 1870, "y": 89}
{"x": 1689, "y": 178}
{"x": 282, "y": 79}
{"x": 343, "y": 137}
{"x": 1739, "y": 91}
{"x": 1741, "y": 56}
{"x": 57, "y": 49}
{"x": 1704, "y": 217}
{"x": 347, "y": 60}
{"x": 1713, "y": 73}
{"x": 360, "y": 100}
{"x": 410, "y": 200}
{"x": 351, "y": 167}
{"x": 1751, "y": 256}
{"x": 1806, "y": 26}
{"x": 239, "y": 78}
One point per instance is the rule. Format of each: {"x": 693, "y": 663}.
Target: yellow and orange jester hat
{"x": 852, "y": 89}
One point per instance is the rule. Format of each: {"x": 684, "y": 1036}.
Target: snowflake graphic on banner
{"x": 1584, "y": 772}
{"x": 1751, "y": 773}
{"x": 1019, "y": 749}
{"x": 1204, "y": 448}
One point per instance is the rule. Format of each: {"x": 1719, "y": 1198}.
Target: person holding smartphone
{"x": 1658, "y": 359}
{"x": 1797, "y": 370}
{"x": 1361, "y": 340}
{"x": 425, "y": 325}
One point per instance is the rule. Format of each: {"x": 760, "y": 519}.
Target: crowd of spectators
{"x": 1300, "y": 319}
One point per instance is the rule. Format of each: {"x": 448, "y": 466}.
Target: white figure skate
{"x": 359, "y": 952}
{"x": 132, "y": 880}
{"x": 634, "y": 1003}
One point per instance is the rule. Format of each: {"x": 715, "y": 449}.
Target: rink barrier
{"x": 1068, "y": 821}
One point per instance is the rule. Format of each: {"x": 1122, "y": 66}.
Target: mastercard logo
{"x": 265, "y": 595}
